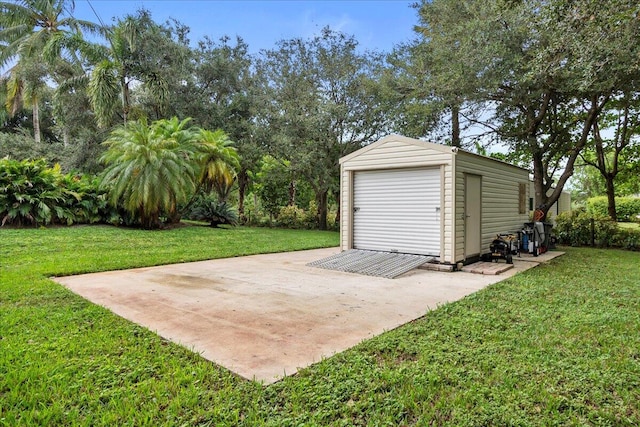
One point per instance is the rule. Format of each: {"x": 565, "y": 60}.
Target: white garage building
{"x": 409, "y": 196}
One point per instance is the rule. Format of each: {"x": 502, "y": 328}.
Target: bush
{"x": 627, "y": 239}
{"x": 579, "y": 228}
{"x": 627, "y": 208}
{"x": 213, "y": 211}
{"x": 291, "y": 217}
{"x": 295, "y": 217}
{"x": 92, "y": 206}
{"x": 32, "y": 193}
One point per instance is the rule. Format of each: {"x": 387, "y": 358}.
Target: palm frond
{"x": 104, "y": 91}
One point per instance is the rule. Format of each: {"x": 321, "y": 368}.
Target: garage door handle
{"x": 356, "y": 209}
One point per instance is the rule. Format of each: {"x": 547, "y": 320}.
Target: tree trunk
{"x": 601, "y": 163}
{"x": 455, "y": 125}
{"x": 125, "y": 100}
{"x": 337, "y": 196}
{"x": 540, "y": 169}
{"x": 65, "y": 136}
{"x": 292, "y": 192}
{"x": 540, "y": 196}
{"x": 36, "y": 121}
{"x": 243, "y": 181}
{"x": 321, "y": 198}
{"x": 611, "y": 197}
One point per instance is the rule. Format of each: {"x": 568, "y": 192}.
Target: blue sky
{"x": 376, "y": 24}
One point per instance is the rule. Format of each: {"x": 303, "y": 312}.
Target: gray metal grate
{"x": 372, "y": 263}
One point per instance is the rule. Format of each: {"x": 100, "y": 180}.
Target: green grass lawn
{"x": 631, "y": 225}
{"x": 556, "y": 345}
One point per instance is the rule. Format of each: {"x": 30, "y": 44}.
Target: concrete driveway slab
{"x": 266, "y": 316}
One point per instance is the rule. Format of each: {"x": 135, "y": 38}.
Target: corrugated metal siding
{"x": 500, "y": 198}
{"x": 398, "y": 210}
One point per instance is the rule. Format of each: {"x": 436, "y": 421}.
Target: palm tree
{"x": 159, "y": 169}
{"x": 150, "y": 169}
{"x": 219, "y": 163}
{"x": 28, "y": 30}
{"x": 215, "y": 159}
{"x": 115, "y": 70}
{"x": 25, "y": 87}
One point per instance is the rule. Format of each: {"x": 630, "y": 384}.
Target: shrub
{"x": 311, "y": 216}
{"x": 153, "y": 169}
{"x": 21, "y": 146}
{"x": 579, "y": 228}
{"x": 627, "y": 208}
{"x": 627, "y": 239}
{"x": 291, "y": 217}
{"x": 32, "y": 193}
{"x": 92, "y": 206}
{"x": 295, "y": 217}
{"x": 213, "y": 211}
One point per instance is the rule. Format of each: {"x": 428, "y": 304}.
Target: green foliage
{"x": 155, "y": 170}
{"x": 531, "y": 72}
{"x": 20, "y": 146}
{"x": 150, "y": 169}
{"x": 578, "y": 227}
{"x": 32, "y": 193}
{"x": 321, "y": 101}
{"x": 627, "y": 208}
{"x": 219, "y": 162}
{"x": 91, "y": 206}
{"x": 32, "y": 35}
{"x": 213, "y": 211}
{"x": 133, "y": 54}
{"x": 296, "y": 217}
{"x": 627, "y": 238}
{"x": 272, "y": 183}
{"x": 81, "y": 154}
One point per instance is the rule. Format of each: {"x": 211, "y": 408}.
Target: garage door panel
{"x": 397, "y": 210}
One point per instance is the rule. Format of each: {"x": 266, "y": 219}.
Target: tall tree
{"x": 26, "y": 86}
{"x": 411, "y": 103}
{"x": 163, "y": 52}
{"x": 320, "y": 101}
{"x": 616, "y": 129}
{"x": 28, "y": 28}
{"x": 536, "y": 67}
{"x": 120, "y": 64}
{"x": 220, "y": 94}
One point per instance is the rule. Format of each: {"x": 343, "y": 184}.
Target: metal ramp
{"x": 372, "y": 263}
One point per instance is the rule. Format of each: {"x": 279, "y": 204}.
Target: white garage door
{"x": 397, "y": 210}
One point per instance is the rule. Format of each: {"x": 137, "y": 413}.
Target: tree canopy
{"x": 551, "y": 85}
{"x": 542, "y": 71}
{"x": 319, "y": 102}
